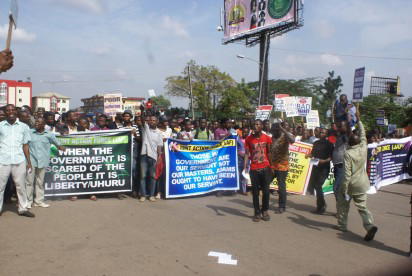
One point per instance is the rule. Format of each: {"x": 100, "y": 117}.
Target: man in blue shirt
{"x": 40, "y": 143}
{"x": 14, "y": 157}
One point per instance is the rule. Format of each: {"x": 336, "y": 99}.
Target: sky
{"x": 81, "y": 48}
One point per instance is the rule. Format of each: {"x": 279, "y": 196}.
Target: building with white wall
{"x": 14, "y": 92}
{"x": 51, "y": 101}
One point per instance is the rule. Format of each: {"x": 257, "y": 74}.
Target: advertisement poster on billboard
{"x": 112, "y": 104}
{"x": 245, "y": 17}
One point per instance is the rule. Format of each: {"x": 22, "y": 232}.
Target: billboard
{"x": 244, "y": 18}
{"x": 112, "y": 104}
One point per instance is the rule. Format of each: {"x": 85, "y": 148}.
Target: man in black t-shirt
{"x": 322, "y": 155}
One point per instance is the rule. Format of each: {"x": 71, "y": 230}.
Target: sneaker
{"x": 29, "y": 206}
{"x": 158, "y": 196}
{"x": 42, "y": 204}
{"x": 27, "y": 214}
{"x": 256, "y": 218}
{"x": 371, "y": 233}
{"x": 265, "y": 216}
{"x": 152, "y": 199}
{"x": 142, "y": 199}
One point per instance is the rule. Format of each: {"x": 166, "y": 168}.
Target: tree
{"x": 208, "y": 85}
{"x": 234, "y": 102}
{"x": 328, "y": 93}
{"x": 395, "y": 112}
{"x": 161, "y": 102}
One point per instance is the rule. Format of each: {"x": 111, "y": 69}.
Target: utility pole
{"x": 191, "y": 92}
{"x": 263, "y": 68}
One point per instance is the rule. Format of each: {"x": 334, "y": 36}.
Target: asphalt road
{"x": 174, "y": 237}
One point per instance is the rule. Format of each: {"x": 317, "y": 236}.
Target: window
{"x": 58, "y": 109}
{"x": 64, "y": 109}
{"x": 64, "y": 101}
{"x": 20, "y": 100}
{"x": 58, "y": 101}
{"x": 19, "y": 91}
{"x": 3, "y": 94}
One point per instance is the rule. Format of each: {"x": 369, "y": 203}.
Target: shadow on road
{"x": 242, "y": 202}
{"x": 309, "y": 223}
{"x": 222, "y": 210}
{"x": 352, "y": 237}
{"x": 394, "y": 193}
{"x": 10, "y": 207}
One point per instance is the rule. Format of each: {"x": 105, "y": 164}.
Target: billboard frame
{"x": 253, "y": 37}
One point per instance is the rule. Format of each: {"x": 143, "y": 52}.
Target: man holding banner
{"x": 257, "y": 151}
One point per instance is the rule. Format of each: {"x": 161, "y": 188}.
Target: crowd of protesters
{"x": 263, "y": 152}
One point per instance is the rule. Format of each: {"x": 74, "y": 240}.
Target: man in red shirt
{"x": 257, "y": 151}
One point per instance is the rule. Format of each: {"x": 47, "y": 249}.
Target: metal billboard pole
{"x": 263, "y": 69}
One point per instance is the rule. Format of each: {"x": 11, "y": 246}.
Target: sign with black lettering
{"x": 93, "y": 163}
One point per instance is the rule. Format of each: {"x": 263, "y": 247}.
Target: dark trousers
{"x": 318, "y": 177}
{"x": 260, "y": 180}
{"x": 281, "y": 178}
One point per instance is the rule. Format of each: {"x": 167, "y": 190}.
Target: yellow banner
{"x": 299, "y": 169}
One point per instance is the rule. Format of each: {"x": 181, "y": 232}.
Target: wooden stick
{"x": 11, "y": 23}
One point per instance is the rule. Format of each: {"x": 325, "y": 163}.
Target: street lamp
{"x": 261, "y": 71}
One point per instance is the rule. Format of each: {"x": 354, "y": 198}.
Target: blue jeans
{"x": 148, "y": 173}
{"x": 338, "y": 171}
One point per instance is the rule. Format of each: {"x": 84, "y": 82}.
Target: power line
{"x": 342, "y": 55}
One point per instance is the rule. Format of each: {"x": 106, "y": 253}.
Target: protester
{"x": 339, "y": 153}
{"x": 355, "y": 184}
{"x": 127, "y": 123}
{"x": 40, "y": 143}
{"x": 83, "y": 124}
{"x": 71, "y": 121}
{"x": 14, "y": 157}
{"x": 222, "y": 131}
{"x": 257, "y": 149}
{"x": 101, "y": 123}
{"x": 50, "y": 121}
{"x": 164, "y": 128}
{"x": 151, "y": 150}
{"x": 202, "y": 132}
{"x": 340, "y": 113}
{"x": 186, "y": 133}
{"x": 279, "y": 154}
{"x": 322, "y": 153}
{"x": 241, "y": 151}
{"x": 316, "y": 136}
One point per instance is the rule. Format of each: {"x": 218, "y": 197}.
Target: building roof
{"x": 51, "y": 94}
{"x": 133, "y": 99}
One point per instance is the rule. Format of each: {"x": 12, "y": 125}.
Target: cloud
{"x": 324, "y": 29}
{"x": 331, "y": 60}
{"x": 19, "y": 35}
{"x": 94, "y": 6}
{"x": 174, "y": 26}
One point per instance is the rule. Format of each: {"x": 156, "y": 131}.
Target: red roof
{"x": 14, "y": 83}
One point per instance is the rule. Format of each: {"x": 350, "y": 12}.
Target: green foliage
{"x": 161, "y": 101}
{"x": 327, "y": 93}
{"x": 208, "y": 85}
{"x": 397, "y": 113}
{"x": 234, "y": 102}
